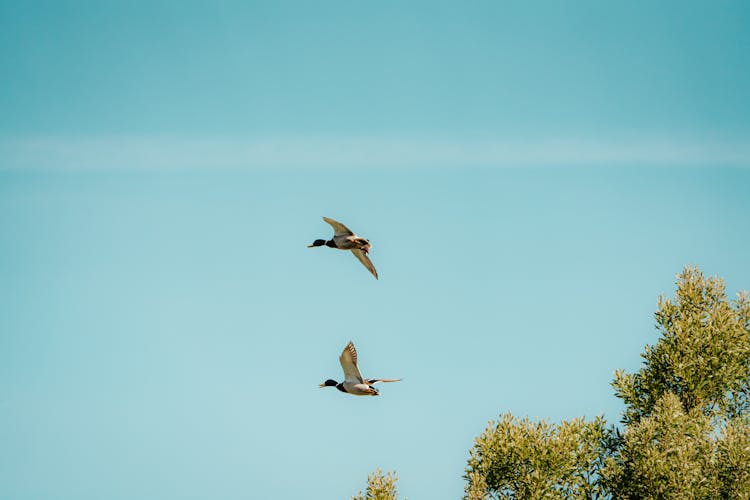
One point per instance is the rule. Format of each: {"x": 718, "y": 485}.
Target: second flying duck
{"x": 353, "y": 382}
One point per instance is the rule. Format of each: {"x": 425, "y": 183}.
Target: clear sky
{"x": 531, "y": 175}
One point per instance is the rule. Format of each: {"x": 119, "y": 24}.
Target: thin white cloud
{"x": 175, "y": 153}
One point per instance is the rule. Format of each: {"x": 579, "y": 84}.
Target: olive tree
{"x": 686, "y": 419}
{"x": 686, "y": 423}
{"x": 379, "y": 487}
{"x": 685, "y": 430}
{"x": 519, "y": 458}
{"x": 702, "y": 355}
{"x": 667, "y": 454}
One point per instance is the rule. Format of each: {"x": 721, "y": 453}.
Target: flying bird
{"x": 353, "y": 382}
{"x": 345, "y": 239}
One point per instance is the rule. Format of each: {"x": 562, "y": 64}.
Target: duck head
{"x": 332, "y": 383}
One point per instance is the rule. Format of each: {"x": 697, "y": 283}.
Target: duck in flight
{"x": 353, "y": 382}
{"x": 345, "y": 239}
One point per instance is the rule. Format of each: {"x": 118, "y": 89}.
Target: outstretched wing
{"x": 348, "y": 360}
{"x": 365, "y": 260}
{"x": 371, "y": 381}
{"x": 338, "y": 228}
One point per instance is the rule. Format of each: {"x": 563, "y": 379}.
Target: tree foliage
{"x": 686, "y": 428}
{"x": 676, "y": 454}
{"x": 702, "y": 356}
{"x": 686, "y": 418}
{"x": 733, "y": 460}
{"x": 668, "y": 454}
{"x": 518, "y": 458}
{"x": 379, "y": 487}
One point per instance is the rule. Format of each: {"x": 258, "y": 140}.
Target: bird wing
{"x": 371, "y": 381}
{"x": 365, "y": 260}
{"x": 348, "y": 360}
{"x": 338, "y": 228}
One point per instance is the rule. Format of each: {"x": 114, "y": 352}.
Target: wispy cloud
{"x": 175, "y": 153}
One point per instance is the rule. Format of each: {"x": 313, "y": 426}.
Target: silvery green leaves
{"x": 686, "y": 423}
{"x": 702, "y": 355}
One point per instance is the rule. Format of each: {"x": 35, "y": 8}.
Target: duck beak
{"x": 321, "y": 385}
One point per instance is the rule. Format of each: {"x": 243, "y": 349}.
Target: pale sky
{"x": 531, "y": 176}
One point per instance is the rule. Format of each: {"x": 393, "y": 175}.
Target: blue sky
{"x": 532, "y": 177}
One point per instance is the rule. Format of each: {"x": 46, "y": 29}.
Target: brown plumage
{"x": 353, "y": 382}
{"x": 345, "y": 239}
